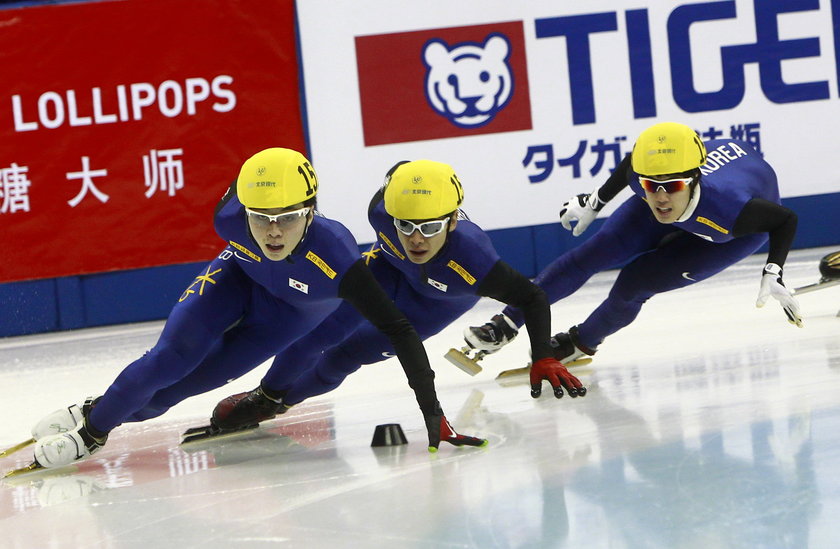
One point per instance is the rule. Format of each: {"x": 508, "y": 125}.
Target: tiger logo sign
{"x": 468, "y": 83}
{"x": 440, "y": 83}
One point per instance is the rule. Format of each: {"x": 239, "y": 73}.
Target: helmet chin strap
{"x": 695, "y": 184}
{"x": 448, "y": 232}
{"x": 303, "y": 236}
{"x": 693, "y": 199}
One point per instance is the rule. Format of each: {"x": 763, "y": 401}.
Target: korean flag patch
{"x": 439, "y": 285}
{"x": 299, "y": 286}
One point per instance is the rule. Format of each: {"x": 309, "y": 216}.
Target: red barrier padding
{"x": 123, "y": 123}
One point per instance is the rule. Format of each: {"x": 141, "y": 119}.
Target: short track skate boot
{"x": 481, "y": 341}
{"x": 247, "y": 409}
{"x": 65, "y": 448}
{"x": 568, "y": 348}
{"x": 830, "y": 267}
{"x": 829, "y": 275}
{"x": 63, "y": 420}
{"x": 493, "y": 335}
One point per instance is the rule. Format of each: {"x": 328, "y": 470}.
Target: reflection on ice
{"x": 708, "y": 423}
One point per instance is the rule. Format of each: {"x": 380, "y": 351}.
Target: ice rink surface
{"x": 708, "y": 424}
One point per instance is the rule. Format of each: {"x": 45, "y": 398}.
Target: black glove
{"x": 244, "y": 409}
{"x": 556, "y": 374}
{"x": 441, "y": 431}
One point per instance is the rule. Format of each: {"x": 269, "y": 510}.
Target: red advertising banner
{"x": 440, "y": 83}
{"x": 122, "y": 123}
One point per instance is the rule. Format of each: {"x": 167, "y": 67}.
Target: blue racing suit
{"x": 731, "y": 211}
{"x": 431, "y": 295}
{"x": 243, "y": 309}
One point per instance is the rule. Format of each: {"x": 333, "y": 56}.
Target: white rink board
{"x": 490, "y": 165}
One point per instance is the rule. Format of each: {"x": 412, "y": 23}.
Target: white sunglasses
{"x": 427, "y": 228}
{"x": 284, "y": 219}
{"x": 669, "y": 185}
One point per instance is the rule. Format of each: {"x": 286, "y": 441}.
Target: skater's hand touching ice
{"x": 440, "y": 430}
{"x": 772, "y": 285}
{"x": 556, "y": 374}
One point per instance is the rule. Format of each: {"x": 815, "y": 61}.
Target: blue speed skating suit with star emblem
{"x": 432, "y": 295}
{"x": 243, "y": 309}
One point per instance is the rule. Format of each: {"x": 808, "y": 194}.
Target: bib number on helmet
{"x": 309, "y": 177}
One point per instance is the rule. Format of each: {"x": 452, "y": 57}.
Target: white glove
{"x": 772, "y": 285}
{"x": 584, "y": 209}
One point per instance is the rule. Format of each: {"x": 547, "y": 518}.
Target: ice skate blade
{"x": 208, "y": 432}
{"x": 16, "y": 447}
{"x": 463, "y": 362}
{"x": 515, "y": 372}
{"x": 34, "y": 466}
{"x": 816, "y": 286}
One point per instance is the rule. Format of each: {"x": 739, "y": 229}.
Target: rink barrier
{"x": 140, "y": 295}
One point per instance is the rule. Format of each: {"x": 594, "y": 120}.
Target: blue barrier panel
{"x": 28, "y": 307}
{"x": 135, "y": 296}
{"x": 149, "y": 294}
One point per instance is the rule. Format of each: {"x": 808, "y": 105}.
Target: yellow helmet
{"x": 423, "y": 189}
{"x": 276, "y": 178}
{"x": 668, "y": 148}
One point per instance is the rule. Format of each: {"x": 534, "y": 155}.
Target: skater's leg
{"x": 628, "y": 232}
{"x": 682, "y": 262}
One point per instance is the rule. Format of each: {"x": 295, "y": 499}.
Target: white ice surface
{"x": 708, "y": 424}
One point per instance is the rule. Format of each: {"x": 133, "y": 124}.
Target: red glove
{"x": 556, "y": 374}
{"x": 441, "y": 431}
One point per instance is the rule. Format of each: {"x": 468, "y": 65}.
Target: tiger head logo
{"x": 468, "y": 83}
